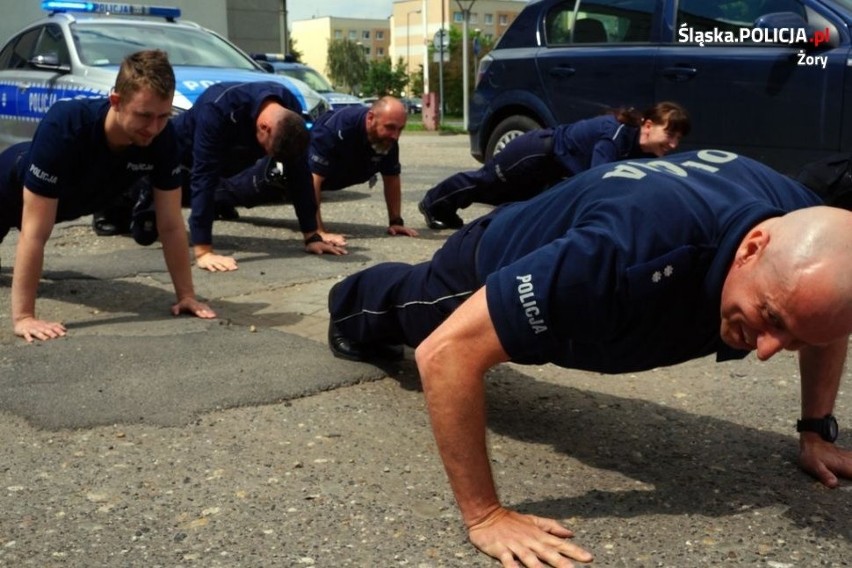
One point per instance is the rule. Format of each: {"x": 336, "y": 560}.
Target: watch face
{"x": 832, "y": 429}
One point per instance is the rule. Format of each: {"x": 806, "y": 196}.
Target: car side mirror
{"x": 793, "y": 23}
{"x": 267, "y": 66}
{"x": 49, "y": 62}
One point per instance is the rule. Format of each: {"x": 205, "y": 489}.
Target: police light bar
{"x": 110, "y": 8}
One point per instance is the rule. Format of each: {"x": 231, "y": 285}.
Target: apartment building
{"x": 414, "y": 23}
{"x": 312, "y": 37}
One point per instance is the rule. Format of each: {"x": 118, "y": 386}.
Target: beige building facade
{"x": 312, "y": 37}
{"x": 414, "y": 24}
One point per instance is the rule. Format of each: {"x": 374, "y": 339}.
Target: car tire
{"x": 507, "y": 130}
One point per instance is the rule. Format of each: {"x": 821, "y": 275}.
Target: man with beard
{"x": 86, "y": 152}
{"x": 353, "y": 145}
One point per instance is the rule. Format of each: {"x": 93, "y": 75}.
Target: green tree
{"x": 292, "y": 50}
{"x": 382, "y": 79}
{"x": 347, "y": 64}
{"x": 453, "y": 80}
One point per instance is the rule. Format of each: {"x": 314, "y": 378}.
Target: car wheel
{"x": 507, "y": 130}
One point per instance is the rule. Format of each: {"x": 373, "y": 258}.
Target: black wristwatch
{"x": 826, "y": 427}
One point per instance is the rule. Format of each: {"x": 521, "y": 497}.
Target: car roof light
{"x": 110, "y": 8}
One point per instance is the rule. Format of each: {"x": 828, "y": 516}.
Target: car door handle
{"x": 562, "y": 71}
{"x": 679, "y": 73}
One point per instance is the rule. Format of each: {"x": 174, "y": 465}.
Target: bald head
{"x": 385, "y": 122}
{"x": 810, "y": 254}
{"x": 389, "y": 105}
{"x": 790, "y": 283}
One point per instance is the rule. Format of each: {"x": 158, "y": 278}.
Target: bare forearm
{"x": 29, "y": 262}
{"x": 452, "y": 362}
{"x": 176, "y": 256}
{"x": 821, "y": 369}
{"x": 393, "y": 196}
{"x": 317, "y": 182}
{"x": 458, "y": 424}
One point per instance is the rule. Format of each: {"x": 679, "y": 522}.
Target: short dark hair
{"x": 146, "y": 69}
{"x": 291, "y": 139}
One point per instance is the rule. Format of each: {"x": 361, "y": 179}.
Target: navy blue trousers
{"x": 251, "y": 188}
{"x": 525, "y": 168}
{"x": 396, "y": 303}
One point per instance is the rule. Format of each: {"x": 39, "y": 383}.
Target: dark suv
{"x": 765, "y": 78}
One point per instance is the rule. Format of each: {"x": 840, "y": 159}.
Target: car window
{"x": 108, "y": 44}
{"x": 730, "y": 15}
{"x": 307, "y": 75}
{"x": 52, "y": 42}
{"x": 20, "y": 50}
{"x": 600, "y": 21}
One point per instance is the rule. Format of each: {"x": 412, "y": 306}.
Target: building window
{"x": 367, "y": 50}
{"x": 489, "y": 19}
{"x": 365, "y": 34}
{"x": 380, "y": 51}
{"x": 353, "y": 35}
{"x": 458, "y": 17}
{"x": 474, "y": 18}
{"x": 380, "y": 34}
{"x": 504, "y": 20}
{"x": 338, "y": 34}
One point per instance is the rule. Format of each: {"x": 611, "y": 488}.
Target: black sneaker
{"x": 227, "y": 212}
{"x": 106, "y": 227}
{"x": 275, "y": 175}
{"x": 444, "y": 221}
{"x": 144, "y": 228}
{"x": 344, "y": 348}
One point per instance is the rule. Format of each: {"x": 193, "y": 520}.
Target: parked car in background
{"x": 76, "y": 50}
{"x": 765, "y": 78}
{"x": 285, "y": 65}
{"x": 414, "y": 105}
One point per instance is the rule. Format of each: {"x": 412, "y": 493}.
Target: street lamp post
{"x": 465, "y": 6}
{"x": 408, "y": 41}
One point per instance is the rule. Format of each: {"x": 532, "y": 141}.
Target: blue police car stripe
{"x": 31, "y": 103}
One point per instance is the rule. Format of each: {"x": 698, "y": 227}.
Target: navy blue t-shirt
{"x": 621, "y": 268}
{"x": 218, "y": 137}
{"x": 69, "y": 160}
{"x": 587, "y": 143}
{"x": 341, "y": 153}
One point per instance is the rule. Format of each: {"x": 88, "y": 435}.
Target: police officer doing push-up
{"x": 84, "y": 154}
{"x": 241, "y": 144}
{"x": 626, "y": 267}
{"x": 534, "y": 161}
{"x": 352, "y": 145}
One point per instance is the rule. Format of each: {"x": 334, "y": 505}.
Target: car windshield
{"x": 307, "y": 75}
{"x": 101, "y": 44}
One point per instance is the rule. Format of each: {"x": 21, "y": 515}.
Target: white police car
{"x": 76, "y": 50}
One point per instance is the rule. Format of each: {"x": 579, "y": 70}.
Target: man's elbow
{"x": 428, "y": 356}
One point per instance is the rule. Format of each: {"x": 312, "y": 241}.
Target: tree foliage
{"x": 347, "y": 64}
{"x": 383, "y": 79}
{"x": 453, "y": 80}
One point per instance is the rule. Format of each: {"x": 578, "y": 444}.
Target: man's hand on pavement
{"x": 216, "y": 262}
{"x": 31, "y": 329}
{"x": 526, "y": 540}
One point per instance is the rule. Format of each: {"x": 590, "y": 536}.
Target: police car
{"x": 286, "y": 65}
{"x": 76, "y": 50}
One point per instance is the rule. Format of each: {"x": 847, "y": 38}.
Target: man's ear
{"x": 752, "y": 246}
{"x": 114, "y": 99}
